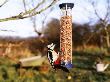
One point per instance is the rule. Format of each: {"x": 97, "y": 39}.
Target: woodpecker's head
{"x": 51, "y": 46}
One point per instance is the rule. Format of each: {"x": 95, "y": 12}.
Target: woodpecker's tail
{"x": 62, "y": 68}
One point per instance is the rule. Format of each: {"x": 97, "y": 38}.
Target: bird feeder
{"x": 66, "y": 33}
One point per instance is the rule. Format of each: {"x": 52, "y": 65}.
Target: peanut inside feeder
{"x": 66, "y": 34}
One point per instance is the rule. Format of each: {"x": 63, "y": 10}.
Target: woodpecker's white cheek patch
{"x": 51, "y": 46}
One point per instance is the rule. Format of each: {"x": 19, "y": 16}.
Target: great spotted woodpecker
{"x": 55, "y": 59}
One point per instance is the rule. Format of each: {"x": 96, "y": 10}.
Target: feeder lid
{"x": 69, "y": 5}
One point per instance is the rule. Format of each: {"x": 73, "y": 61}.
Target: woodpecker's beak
{"x": 51, "y": 46}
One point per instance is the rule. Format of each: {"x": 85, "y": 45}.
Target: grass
{"x": 82, "y": 71}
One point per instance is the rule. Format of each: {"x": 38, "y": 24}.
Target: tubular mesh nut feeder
{"x": 66, "y": 33}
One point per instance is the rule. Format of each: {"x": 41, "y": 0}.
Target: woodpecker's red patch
{"x": 58, "y": 61}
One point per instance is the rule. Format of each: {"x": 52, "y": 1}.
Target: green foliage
{"x": 95, "y": 50}
{"x": 82, "y": 71}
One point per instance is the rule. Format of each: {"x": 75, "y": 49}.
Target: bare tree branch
{"x": 32, "y": 10}
{"x": 96, "y": 11}
{"x": 29, "y": 13}
{"x": 108, "y": 10}
{"x": 52, "y": 3}
{"x": 7, "y": 30}
{"x": 33, "y": 19}
{"x": 4, "y": 3}
{"x": 106, "y": 18}
{"x": 24, "y": 4}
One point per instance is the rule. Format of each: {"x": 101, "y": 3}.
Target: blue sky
{"x": 23, "y": 28}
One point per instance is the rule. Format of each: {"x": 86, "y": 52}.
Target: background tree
{"x": 53, "y": 31}
{"x": 102, "y": 18}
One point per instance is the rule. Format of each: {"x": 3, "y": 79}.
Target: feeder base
{"x": 69, "y": 65}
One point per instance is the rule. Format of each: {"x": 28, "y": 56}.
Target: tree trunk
{"x": 107, "y": 37}
{"x": 108, "y": 41}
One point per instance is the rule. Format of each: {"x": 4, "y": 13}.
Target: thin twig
{"x": 27, "y": 14}
{"x": 4, "y": 3}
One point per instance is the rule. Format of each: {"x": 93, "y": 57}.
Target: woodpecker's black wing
{"x": 62, "y": 68}
{"x": 50, "y": 57}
